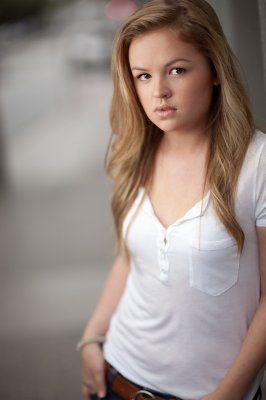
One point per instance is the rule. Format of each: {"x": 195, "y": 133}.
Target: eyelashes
{"x": 181, "y": 72}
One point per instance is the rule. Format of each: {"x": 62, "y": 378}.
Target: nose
{"x": 161, "y": 88}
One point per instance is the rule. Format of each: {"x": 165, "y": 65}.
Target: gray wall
{"x": 244, "y": 25}
{"x": 262, "y": 13}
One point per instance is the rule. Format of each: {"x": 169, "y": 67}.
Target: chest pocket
{"x": 213, "y": 265}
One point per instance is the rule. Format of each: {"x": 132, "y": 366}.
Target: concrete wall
{"x": 244, "y": 26}
{"x": 262, "y": 13}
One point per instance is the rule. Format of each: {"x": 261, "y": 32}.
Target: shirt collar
{"x": 194, "y": 212}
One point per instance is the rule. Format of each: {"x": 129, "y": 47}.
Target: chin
{"x": 168, "y": 126}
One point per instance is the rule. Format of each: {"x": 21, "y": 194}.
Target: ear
{"x": 216, "y": 82}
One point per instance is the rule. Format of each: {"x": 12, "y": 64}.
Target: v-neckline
{"x": 194, "y": 208}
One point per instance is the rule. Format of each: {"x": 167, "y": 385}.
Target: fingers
{"x": 93, "y": 373}
{"x": 99, "y": 381}
{"x": 88, "y": 392}
{"x": 85, "y": 392}
{"x": 96, "y": 385}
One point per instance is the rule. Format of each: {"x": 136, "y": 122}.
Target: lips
{"x": 165, "y": 108}
{"x": 165, "y": 111}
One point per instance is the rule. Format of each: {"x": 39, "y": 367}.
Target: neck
{"x": 185, "y": 143}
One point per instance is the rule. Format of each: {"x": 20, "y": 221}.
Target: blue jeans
{"x": 113, "y": 396}
{"x": 109, "y": 396}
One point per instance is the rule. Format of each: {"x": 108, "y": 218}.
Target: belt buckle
{"x": 146, "y": 394}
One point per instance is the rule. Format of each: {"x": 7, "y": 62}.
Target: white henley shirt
{"x": 187, "y": 306}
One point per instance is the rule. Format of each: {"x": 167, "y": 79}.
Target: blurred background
{"x": 56, "y": 228}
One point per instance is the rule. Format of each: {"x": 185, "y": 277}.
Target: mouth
{"x": 165, "y": 108}
{"x": 165, "y": 111}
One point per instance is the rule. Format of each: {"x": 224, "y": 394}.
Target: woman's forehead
{"x": 159, "y": 46}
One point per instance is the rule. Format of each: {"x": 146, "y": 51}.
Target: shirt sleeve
{"x": 260, "y": 190}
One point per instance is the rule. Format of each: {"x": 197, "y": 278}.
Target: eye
{"x": 179, "y": 70}
{"x": 139, "y": 76}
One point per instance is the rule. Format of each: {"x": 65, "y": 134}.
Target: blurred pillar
{"x": 262, "y": 14}
{"x": 241, "y": 21}
{"x": 3, "y": 175}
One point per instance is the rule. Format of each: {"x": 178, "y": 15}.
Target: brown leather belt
{"x": 128, "y": 390}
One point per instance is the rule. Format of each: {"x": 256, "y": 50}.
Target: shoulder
{"x": 260, "y": 180}
{"x": 256, "y": 151}
{"x": 252, "y": 169}
{"x": 260, "y": 147}
{"x": 258, "y": 142}
{"x": 260, "y": 137}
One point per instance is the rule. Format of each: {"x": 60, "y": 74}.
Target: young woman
{"x": 183, "y": 311}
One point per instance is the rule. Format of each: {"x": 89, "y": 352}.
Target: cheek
{"x": 143, "y": 95}
{"x": 145, "y": 100}
{"x": 196, "y": 94}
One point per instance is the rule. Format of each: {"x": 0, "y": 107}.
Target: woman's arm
{"x": 252, "y": 355}
{"x": 113, "y": 289}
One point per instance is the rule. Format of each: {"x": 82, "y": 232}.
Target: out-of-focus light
{"x": 119, "y": 10}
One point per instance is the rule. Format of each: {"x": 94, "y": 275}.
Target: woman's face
{"x": 169, "y": 71}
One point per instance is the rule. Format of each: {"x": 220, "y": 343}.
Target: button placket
{"x": 162, "y": 246}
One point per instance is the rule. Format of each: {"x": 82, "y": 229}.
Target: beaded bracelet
{"x": 91, "y": 339}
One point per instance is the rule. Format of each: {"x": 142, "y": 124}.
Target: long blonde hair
{"x": 134, "y": 139}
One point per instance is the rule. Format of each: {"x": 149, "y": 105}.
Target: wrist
{"x": 92, "y": 330}
{"x": 85, "y": 341}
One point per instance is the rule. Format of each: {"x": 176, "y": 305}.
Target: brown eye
{"x": 139, "y": 76}
{"x": 179, "y": 70}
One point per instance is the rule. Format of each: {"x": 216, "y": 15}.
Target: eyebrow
{"x": 166, "y": 65}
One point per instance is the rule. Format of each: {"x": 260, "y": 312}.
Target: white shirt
{"x": 184, "y": 313}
